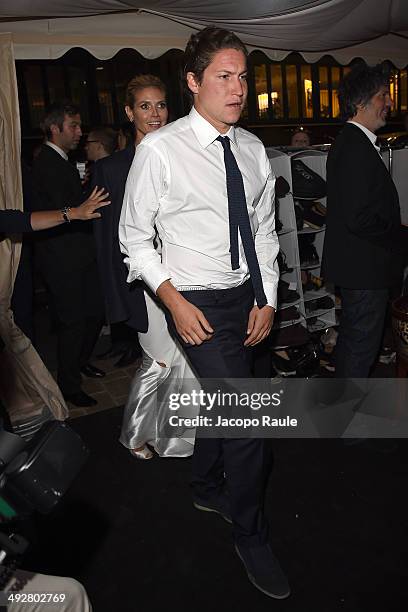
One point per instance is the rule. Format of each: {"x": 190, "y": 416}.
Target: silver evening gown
{"x": 146, "y": 414}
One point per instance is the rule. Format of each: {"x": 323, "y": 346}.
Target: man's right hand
{"x": 190, "y": 322}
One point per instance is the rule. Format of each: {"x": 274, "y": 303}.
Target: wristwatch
{"x": 65, "y": 212}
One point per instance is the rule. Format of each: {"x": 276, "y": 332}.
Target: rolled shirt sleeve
{"x": 145, "y": 185}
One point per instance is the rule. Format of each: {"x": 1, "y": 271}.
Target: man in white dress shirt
{"x": 198, "y": 180}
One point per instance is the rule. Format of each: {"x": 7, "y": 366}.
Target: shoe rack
{"x": 288, "y": 240}
{"x": 313, "y": 320}
{"x": 396, "y": 160}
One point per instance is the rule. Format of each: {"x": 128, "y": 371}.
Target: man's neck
{"x": 222, "y": 128}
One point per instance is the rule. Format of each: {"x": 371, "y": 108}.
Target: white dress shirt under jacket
{"x": 57, "y": 149}
{"x": 177, "y": 182}
{"x": 370, "y": 135}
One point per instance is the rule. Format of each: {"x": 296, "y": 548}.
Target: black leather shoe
{"x": 92, "y": 372}
{"x": 219, "y": 506}
{"x": 80, "y": 399}
{"x": 130, "y": 356}
{"x": 264, "y": 571}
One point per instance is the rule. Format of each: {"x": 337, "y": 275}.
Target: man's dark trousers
{"x": 360, "y": 332}
{"x": 78, "y": 303}
{"x": 244, "y": 461}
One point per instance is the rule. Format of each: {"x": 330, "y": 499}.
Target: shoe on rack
{"x": 286, "y": 315}
{"x": 282, "y": 187}
{"x": 308, "y": 255}
{"x": 285, "y": 294}
{"x": 315, "y": 324}
{"x": 313, "y": 218}
{"x": 91, "y": 372}
{"x": 307, "y": 251}
{"x": 310, "y": 282}
{"x": 311, "y": 306}
{"x": 323, "y": 303}
{"x": 319, "y": 208}
{"x": 80, "y": 399}
{"x": 293, "y": 335}
{"x": 264, "y": 571}
{"x": 283, "y": 266}
{"x": 299, "y": 216}
{"x": 219, "y": 506}
{"x": 306, "y": 183}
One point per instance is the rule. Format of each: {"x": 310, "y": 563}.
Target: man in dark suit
{"x": 66, "y": 254}
{"x": 125, "y": 307}
{"x": 362, "y": 249}
{"x": 112, "y": 172}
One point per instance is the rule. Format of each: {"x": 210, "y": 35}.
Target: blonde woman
{"x": 164, "y": 369}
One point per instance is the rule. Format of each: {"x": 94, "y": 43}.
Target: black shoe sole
{"x": 253, "y": 581}
{"x": 208, "y": 509}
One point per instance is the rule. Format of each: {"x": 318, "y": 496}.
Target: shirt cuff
{"x": 154, "y": 275}
{"x": 271, "y": 292}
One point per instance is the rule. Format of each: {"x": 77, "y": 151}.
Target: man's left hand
{"x": 259, "y": 324}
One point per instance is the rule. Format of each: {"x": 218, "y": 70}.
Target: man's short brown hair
{"x": 55, "y": 115}
{"x": 203, "y": 45}
{"x": 139, "y": 82}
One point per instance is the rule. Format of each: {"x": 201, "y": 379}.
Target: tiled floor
{"x": 110, "y": 391}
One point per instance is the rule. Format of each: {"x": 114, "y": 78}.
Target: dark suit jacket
{"x": 363, "y": 241}
{"x": 123, "y": 301}
{"x": 68, "y": 247}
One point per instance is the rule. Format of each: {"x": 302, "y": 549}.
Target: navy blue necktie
{"x": 238, "y": 218}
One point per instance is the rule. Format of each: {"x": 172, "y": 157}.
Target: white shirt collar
{"x": 205, "y": 132}
{"x": 367, "y": 132}
{"x": 57, "y": 149}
